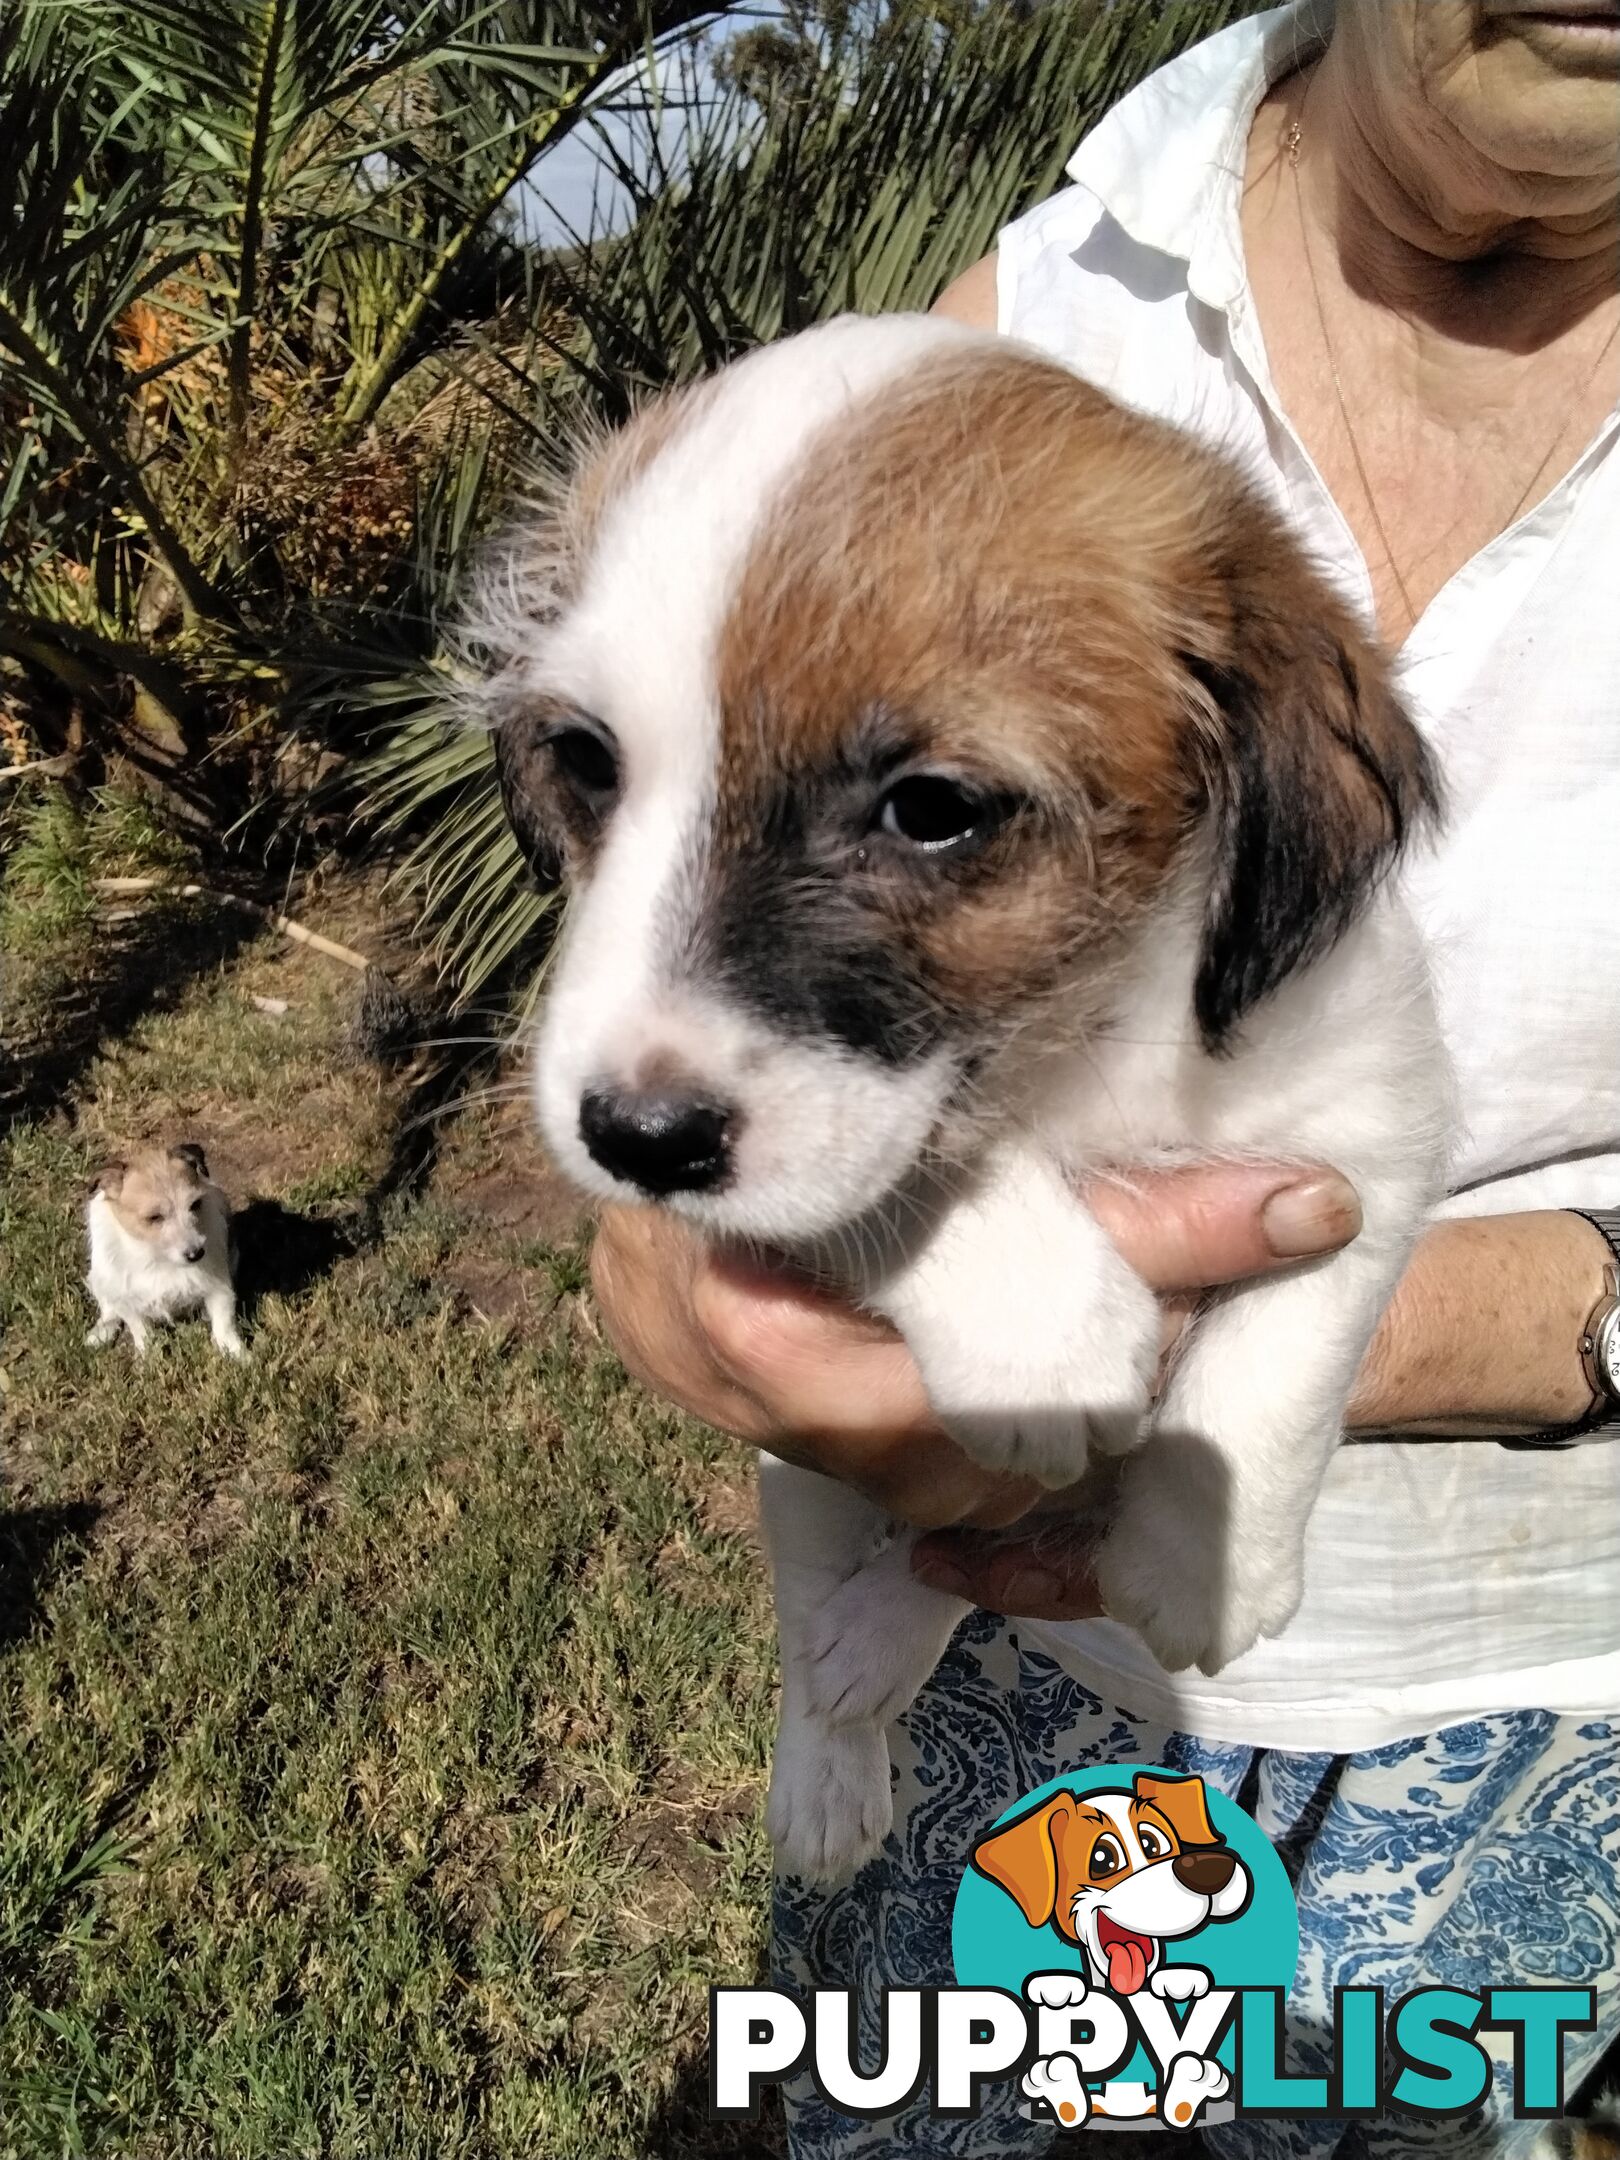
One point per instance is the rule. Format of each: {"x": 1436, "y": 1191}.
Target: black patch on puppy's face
{"x": 794, "y": 940}
{"x": 559, "y": 780}
{"x": 822, "y": 898}
{"x": 523, "y": 772}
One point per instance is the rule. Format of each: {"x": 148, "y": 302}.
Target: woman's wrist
{"x": 1482, "y": 1339}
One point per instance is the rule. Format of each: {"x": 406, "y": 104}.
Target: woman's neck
{"x": 1426, "y": 226}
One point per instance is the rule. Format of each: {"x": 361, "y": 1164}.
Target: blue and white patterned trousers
{"x": 1486, "y": 1855}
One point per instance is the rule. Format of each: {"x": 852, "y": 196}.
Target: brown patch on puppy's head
{"x": 999, "y": 580}
{"x": 1180, "y": 1804}
{"x": 109, "y": 1175}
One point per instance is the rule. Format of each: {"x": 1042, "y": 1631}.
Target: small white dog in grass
{"x": 160, "y": 1247}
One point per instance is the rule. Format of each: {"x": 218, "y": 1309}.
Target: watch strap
{"x": 1603, "y": 1419}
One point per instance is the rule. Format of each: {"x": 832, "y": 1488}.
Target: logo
{"x": 1124, "y": 1941}
{"x": 1127, "y": 1908}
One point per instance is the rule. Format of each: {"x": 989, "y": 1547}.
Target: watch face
{"x": 1606, "y": 1352}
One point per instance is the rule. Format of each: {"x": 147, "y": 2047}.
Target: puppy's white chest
{"x": 160, "y": 1289}
{"x": 168, "y": 1290}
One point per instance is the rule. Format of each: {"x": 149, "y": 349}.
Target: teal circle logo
{"x": 1120, "y": 1876}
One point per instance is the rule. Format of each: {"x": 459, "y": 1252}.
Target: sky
{"x": 574, "y": 184}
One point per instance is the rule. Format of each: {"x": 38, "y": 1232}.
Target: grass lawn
{"x": 382, "y": 1721}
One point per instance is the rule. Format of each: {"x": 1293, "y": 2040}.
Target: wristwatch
{"x": 1599, "y": 1349}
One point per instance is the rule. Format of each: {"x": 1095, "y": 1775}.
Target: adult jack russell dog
{"x": 161, "y": 1246}
{"x": 965, "y": 784}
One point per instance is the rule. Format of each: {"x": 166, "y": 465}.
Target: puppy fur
{"x": 965, "y": 785}
{"x": 160, "y": 1246}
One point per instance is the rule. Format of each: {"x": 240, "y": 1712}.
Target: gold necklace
{"x": 1294, "y": 136}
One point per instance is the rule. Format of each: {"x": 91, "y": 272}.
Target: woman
{"x": 1375, "y": 257}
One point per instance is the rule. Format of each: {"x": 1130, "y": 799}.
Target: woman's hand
{"x": 1480, "y": 1340}
{"x": 763, "y": 1356}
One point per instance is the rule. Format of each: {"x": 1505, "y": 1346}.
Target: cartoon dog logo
{"x": 1120, "y": 1873}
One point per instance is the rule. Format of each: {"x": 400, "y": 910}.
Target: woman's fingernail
{"x": 1028, "y": 1588}
{"x": 942, "y": 1575}
{"x": 1316, "y": 1215}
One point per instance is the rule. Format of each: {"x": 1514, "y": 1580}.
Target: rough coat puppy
{"x": 966, "y": 784}
{"x": 160, "y": 1247}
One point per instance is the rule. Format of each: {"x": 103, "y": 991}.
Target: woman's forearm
{"x": 1483, "y": 1334}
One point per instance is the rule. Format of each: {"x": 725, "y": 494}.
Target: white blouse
{"x": 1445, "y": 1580}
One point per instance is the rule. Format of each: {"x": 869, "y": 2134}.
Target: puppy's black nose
{"x": 663, "y": 1141}
{"x": 194, "y": 1252}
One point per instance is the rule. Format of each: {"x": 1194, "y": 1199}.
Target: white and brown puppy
{"x": 965, "y": 784}
{"x": 160, "y": 1247}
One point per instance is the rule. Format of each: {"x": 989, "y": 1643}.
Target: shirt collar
{"x": 1189, "y": 207}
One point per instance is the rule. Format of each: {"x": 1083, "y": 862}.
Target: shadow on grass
{"x": 37, "y": 1545}
{"x": 450, "y": 1077}
{"x": 130, "y": 969}
{"x": 280, "y": 1253}
{"x": 683, "y": 2128}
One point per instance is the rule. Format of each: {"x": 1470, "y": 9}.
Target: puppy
{"x": 1119, "y": 1874}
{"x": 965, "y": 784}
{"x": 160, "y": 1246}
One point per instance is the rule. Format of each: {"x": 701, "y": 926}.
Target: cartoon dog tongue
{"x": 1127, "y": 1956}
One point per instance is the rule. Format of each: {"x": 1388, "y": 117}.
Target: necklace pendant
{"x": 1291, "y": 143}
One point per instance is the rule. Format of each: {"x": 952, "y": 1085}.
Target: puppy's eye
{"x": 585, "y": 761}
{"x": 196, "y": 1205}
{"x": 152, "y": 1221}
{"x": 939, "y": 816}
{"x": 1107, "y": 1858}
{"x": 1154, "y": 1846}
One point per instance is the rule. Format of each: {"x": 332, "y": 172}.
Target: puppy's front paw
{"x": 1197, "y": 1583}
{"x": 231, "y": 1345}
{"x": 1036, "y": 1397}
{"x": 829, "y": 1807}
{"x": 103, "y": 1333}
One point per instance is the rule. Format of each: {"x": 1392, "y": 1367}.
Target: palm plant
{"x": 239, "y": 249}
{"x": 274, "y": 350}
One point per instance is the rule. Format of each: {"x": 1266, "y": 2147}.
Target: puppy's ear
{"x": 1183, "y": 1804}
{"x": 190, "y": 1153}
{"x": 527, "y": 800}
{"x": 1021, "y": 1858}
{"x": 1314, "y": 776}
{"x": 109, "y": 1177}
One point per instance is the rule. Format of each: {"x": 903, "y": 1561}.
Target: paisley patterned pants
{"x": 1485, "y": 1856}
